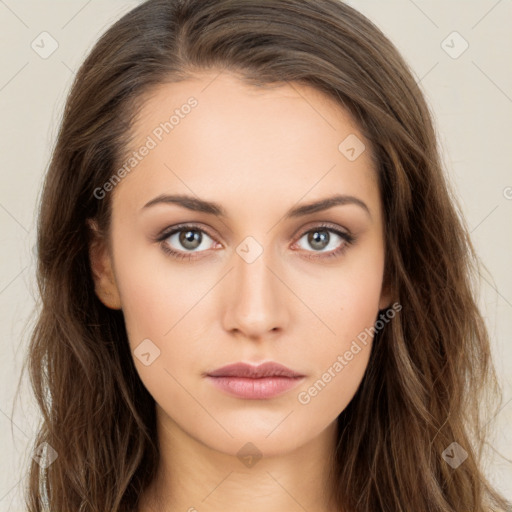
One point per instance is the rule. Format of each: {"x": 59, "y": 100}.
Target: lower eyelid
{"x": 347, "y": 239}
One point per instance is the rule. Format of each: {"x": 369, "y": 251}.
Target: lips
{"x": 250, "y": 382}
{"x": 269, "y": 369}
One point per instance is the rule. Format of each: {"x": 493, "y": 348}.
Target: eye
{"x": 184, "y": 239}
{"x": 321, "y": 239}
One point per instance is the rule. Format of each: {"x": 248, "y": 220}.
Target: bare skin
{"x": 257, "y": 153}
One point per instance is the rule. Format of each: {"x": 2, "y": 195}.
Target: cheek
{"x": 350, "y": 309}
{"x": 350, "y": 298}
{"x": 340, "y": 361}
{"x": 321, "y": 400}
{"x": 156, "y": 295}
{"x": 156, "y": 313}
{"x": 164, "y": 308}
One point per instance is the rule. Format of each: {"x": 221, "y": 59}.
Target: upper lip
{"x": 268, "y": 369}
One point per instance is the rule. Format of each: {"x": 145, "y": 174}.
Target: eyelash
{"x": 348, "y": 241}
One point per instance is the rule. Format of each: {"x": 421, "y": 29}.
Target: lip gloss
{"x": 255, "y": 388}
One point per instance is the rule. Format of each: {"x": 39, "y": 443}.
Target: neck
{"x": 193, "y": 477}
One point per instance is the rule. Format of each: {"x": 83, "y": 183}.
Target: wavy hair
{"x": 430, "y": 369}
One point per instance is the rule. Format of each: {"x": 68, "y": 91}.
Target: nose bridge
{"x": 257, "y": 305}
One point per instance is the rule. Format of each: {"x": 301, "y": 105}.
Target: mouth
{"x": 246, "y": 381}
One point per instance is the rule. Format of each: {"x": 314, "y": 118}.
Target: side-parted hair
{"x": 430, "y": 368}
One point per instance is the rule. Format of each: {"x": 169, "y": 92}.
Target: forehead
{"x": 215, "y": 132}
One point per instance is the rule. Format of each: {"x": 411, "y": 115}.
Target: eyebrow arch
{"x": 200, "y": 205}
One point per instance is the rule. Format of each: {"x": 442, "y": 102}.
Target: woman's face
{"x": 262, "y": 276}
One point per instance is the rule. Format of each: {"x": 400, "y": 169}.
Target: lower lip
{"x": 255, "y": 389}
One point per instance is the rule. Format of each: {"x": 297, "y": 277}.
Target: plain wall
{"x": 470, "y": 97}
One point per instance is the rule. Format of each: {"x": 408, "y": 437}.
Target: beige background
{"x": 471, "y": 97}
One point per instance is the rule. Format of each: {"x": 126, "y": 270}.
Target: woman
{"x": 257, "y": 290}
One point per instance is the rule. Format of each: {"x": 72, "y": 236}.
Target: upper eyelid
{"x": 166, "y": 233}
{"x": 171, "y": 230}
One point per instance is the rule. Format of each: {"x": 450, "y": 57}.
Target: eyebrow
{"x": 199, "y": 205}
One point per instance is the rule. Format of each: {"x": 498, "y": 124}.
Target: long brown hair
{"x": 430, "y": 368}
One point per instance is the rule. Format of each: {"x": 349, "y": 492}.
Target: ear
{"x": 385, "y": 296}
{"x": 102, "y": 269}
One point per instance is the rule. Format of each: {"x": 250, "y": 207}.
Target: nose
{"x": 257, "y": 299}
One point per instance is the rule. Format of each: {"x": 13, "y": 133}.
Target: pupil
{"x": 319, "y": 239}
{"x": 188, "y": 239}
